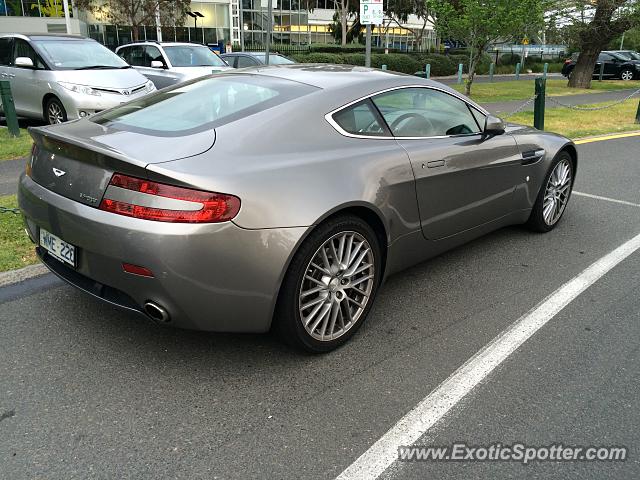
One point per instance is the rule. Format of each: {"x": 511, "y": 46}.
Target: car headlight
{"x": 79, "y": 88}
{"x": 150, "y": 87}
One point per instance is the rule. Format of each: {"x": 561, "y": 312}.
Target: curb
{"x": 606, "y": 136}
{"x": 16, "y": 276}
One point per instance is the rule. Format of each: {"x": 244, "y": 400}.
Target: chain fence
{"x": 559, "y": 103}
{"x": 593, "y": 109}
{"x": 527, "y": 102}
{"x": 15, "y": 211}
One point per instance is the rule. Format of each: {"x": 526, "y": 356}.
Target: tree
{"x": 399, "y": 11}
{"x": 136, "y": 13}
{"x": 595, "y": 24}
{"x": 631, "y": 40}
{"x": 480, "y": 23}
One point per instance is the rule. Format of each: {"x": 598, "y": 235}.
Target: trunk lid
{"x": 77, "y": 159}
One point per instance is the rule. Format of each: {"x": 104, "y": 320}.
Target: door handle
{"x": 433, "y": 164}
{"x": 532, "y": 156}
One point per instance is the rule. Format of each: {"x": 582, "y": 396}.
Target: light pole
{"x": 195, "y": 16}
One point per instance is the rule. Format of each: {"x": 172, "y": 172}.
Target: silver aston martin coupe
{"x": 280, "y": 197}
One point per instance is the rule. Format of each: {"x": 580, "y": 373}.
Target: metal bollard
{"x": 384, "y": 67}
{"x": 491, "y": 70}
{"x": 460, "y": 68}
{"x": 9, "y": 108}
{"x": 539, "y": 103}
{"x": 427, "y": 71}
{"x": 601, "y": 72}
{"x": 518, "y": 67}
{"x": 545, "y": 71}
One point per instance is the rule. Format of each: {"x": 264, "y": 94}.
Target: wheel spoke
{"x": 360, "y": 280}
{"x": 318, "y": 267}
{"x": 311, "y": 303}
{"x": 314, "y": 280}
{"x": 324, "y": 309}
{"x": 356, "y": 263}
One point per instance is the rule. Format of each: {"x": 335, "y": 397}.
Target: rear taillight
{"x": 178, "y": 204}
{"x": 32, "y": 157}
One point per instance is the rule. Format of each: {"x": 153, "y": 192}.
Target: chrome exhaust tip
{"x": 156, "y": 312}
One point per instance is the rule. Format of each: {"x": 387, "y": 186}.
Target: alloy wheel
{"x": 627, "y": 75}
{"x": 337, "y": 286}
{"x": 55, "y": 113}
{"x": 557, "y": 192}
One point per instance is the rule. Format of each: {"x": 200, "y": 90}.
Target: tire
{"x": 627, "y": 75}
{"x": 538, "y": 220}
{"x": 320, "y": 321}
{"x": 54, "y": 111}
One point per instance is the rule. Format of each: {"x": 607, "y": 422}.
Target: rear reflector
{"x": 214, "y": 207}
{"x": 137, "y": 270}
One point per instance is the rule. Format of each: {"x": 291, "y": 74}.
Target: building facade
{"x": 234, "y": 22}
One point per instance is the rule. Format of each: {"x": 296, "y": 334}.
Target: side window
{"x": 360, "y": 119}
{"x": 424, "y": 112}
{"x": 136, "y": 57}
{"x": 152, "y": 53}
{"x": 232, "y": 60}
{"x": 131, "y": 55}
{"x": 246, "y": 61}
{"x": 23, "y": 49}
{"x": 6, "y": 57}
{"x": 480, "y": 117}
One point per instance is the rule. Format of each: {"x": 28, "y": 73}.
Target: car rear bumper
{"x": 216, "y": 277}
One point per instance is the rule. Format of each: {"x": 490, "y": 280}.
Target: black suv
{"x": 615, "y": 66}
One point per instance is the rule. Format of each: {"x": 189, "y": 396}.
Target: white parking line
{"x": 607, "y": 199}
{"x": 432, "y": 408}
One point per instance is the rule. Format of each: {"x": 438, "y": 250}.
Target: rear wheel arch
{"x": 45, "y": 101}
{"x": 363, "y": 212}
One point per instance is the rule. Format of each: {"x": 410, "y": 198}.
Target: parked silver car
{"x": 169, "y": 63}
{"x": 63, "y": 77}
{"x": 284, "y": 193}
{"x": 254, "y": 59}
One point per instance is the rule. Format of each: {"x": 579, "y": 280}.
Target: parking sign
{"x": 371, "y": 12}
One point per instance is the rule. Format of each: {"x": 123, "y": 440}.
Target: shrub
{"x": 441, "y": 65}
{"x": 354, "y": 59}
{"x": 510, "y": 59}
{"x": 398, "y": 62}
{"x": 336, "y": 48}
{"x": 317, "y": 57}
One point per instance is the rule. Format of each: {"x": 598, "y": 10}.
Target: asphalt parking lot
{"x": 87, "y": 391}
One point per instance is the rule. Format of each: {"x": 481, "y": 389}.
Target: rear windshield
{"x": 193, "y": 56}
{"x": 202, "y": 104}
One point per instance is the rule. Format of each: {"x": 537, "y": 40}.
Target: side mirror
{"x": 25, "y": 62}
{"x": 493, "y": 126}
{"x": 157, "y": 64}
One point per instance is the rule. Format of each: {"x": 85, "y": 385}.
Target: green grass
{"x": 16, "y": 250}
{"x": 14, "y": 147}
{"x": 523, "y": 89}
{"x": 576, "y": 124}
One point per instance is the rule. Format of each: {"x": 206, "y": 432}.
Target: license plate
{"x": 57, "y": 247}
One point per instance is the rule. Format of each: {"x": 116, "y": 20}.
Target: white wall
{"x": 39, "y": 25}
